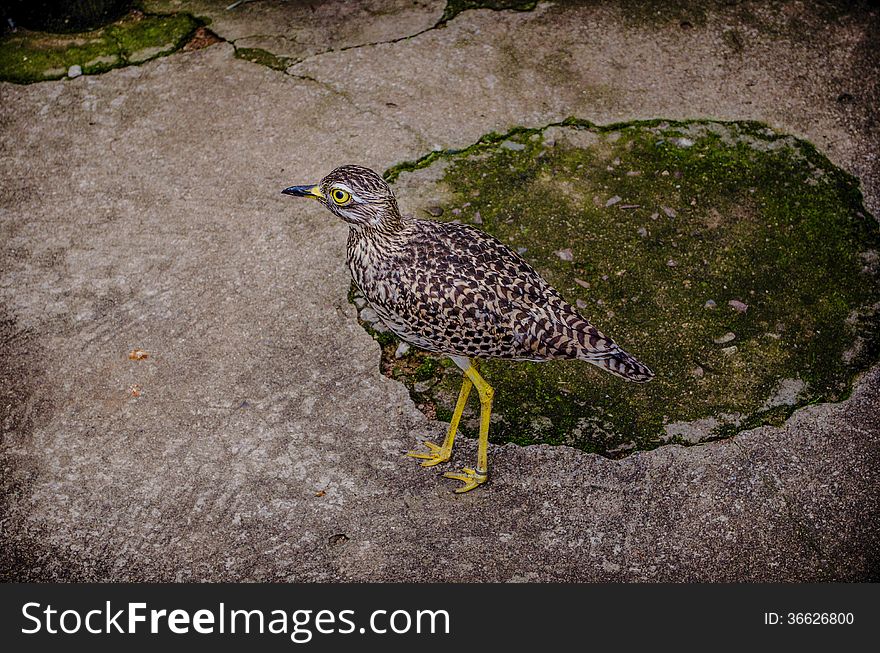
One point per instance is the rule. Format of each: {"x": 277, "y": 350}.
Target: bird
{"x": 452, "y": 289}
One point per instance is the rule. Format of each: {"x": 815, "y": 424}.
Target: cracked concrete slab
{"x": 140, "y": 210}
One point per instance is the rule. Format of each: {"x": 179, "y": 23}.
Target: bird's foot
{"x": 435, "y": 456}
{"x": 471, "y": 479}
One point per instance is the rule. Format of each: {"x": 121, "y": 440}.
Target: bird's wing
{"x": 470, "y": 294}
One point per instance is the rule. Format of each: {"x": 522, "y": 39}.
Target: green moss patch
{"x": 262, "y": 57}
{"x": 27, "y": 56}
{"x": 739, "y": 264}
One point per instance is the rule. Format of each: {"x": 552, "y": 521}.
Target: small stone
{"x": 633, "y": 173}
{"x": 581, "y": 303}
{"x": 710, "y": 303}
{"x": 521, "y": 250}
{"x": 339, "y": 538}
{"x": 478, "y": 219}
{"x": 402, "y": 350}
{"x": 738, "y": 306}
{"x": 369, "y": 315}
{"x": 643, "y": 232}
{"x": 729, "y": 351}
{"x": 436, "y": 211}
{"x": 727, "y": 337}
{"x": 654, "y": 216}
{"x": 379, "y": 327}
{"x": 604, "y": 277}
{"x": 455, "y": 211}
{"x": 697, "y": 372}
{"x": 512, "y": 145}
{"x": 565, "y": 254}
{"x": 582, "y": 283}
{"x": 671, "y": 263}
{"x": 682, "y": 142}
{"x": 360, "y": 302}
{"x": 74, "y": 71}
{"x": 422, "y": 386}
{"x": 670, "y": 212}
{"x": 614, "y": 200}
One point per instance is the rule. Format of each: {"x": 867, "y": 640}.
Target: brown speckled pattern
{"x": 452, "y": 289}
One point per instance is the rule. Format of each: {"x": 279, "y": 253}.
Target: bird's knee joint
{"x": 487, "y": 394}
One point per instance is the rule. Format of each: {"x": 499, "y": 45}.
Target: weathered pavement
{"x": 140, "y": 209}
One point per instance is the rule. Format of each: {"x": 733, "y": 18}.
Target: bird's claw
{"x": 436, "y": 455}
{"x": 470, "y": 477}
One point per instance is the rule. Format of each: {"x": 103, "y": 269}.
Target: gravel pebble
{"x": 402, "y": 350}
{"x": 614, "y": 200}
{"x": 369, "y": 315}
{"x": 670, "y": 212}
{"x": 729, "y": 351}
{"x": 565, "y": 254}
{"x": 727, "y": 337}
{"x": 581, "y": 303}
{"x": 74, "y": 71}
{"x": 738, "y": 306}
{"x": 582, "y": 283}
{"x": 710, "y": 303}
{"x": 436, "y": 211}
{"x": 511, "y": 145}
{"x": 478, "y": 219}
{"x": 360, "y": 302}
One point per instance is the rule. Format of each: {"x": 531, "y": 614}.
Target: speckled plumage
{"x": 450, "y": 288}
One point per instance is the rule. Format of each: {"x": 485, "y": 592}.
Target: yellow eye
{"x": 340, "y": 196}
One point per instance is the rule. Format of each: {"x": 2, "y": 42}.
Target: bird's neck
{"x": 372, "y": 248}
{"x": 384, "y": 232}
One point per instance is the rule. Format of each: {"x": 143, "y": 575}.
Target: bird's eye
{"x": 340, "y": 196}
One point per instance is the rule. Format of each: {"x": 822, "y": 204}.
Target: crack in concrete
{"x": 448, "y": 15}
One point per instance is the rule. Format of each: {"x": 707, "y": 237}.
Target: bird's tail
{"x": 626, "y": 367}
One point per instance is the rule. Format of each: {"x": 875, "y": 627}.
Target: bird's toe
{"x": 470, "y": 477}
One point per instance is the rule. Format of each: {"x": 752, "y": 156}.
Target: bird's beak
{"x": 305, "y": 191}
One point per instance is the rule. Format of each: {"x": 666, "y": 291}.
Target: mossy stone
{"x": 27, "y": 56}
{"x": 665, "y": 220}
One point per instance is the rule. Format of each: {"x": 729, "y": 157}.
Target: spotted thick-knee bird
{"x": 452, "y": 289}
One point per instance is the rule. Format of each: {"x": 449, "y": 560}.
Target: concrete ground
{"x": 140, "y": 209}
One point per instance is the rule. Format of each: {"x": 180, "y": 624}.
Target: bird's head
{"x": 354, "y": 193}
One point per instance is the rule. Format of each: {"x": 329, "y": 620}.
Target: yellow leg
{"x": 437, "y": 455}
{"x": 474, "y": 477}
